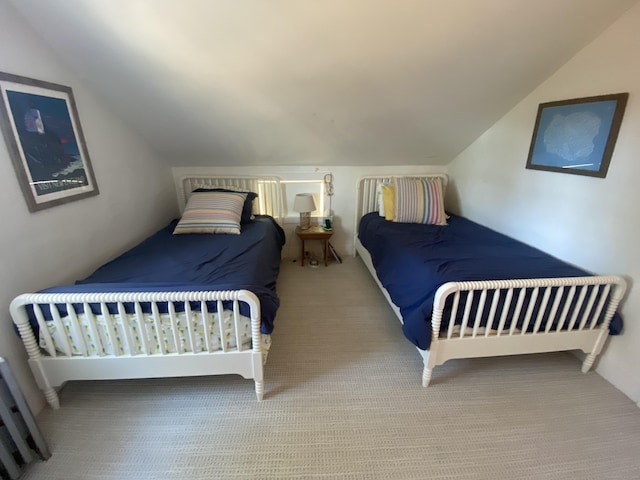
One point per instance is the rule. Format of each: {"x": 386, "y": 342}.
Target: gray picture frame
{"x": 42, "y": 131}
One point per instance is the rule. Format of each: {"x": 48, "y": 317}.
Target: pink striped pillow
{"x": 212, "y": 212}
{"x": 419, "y": 200}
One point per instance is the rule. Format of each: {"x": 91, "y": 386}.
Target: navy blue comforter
{"x": 413, "y": 260}
{"x": 198, "y": 262}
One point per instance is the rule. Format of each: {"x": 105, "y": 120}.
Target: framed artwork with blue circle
{"x": 577, "y": 136}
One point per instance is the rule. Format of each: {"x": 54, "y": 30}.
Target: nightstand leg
{"x": 326, "y": 251}
{"x": 302, "y": 254}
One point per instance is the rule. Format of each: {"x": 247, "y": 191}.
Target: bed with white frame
{"x": 466, "y": 338}
{"x": 54, "y": 363}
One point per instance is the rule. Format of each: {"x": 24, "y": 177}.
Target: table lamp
{"x": 304, "y": 204}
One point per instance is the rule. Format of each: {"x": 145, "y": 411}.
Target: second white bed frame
{"x": 52, "y": 367}
{"x": 558, "y": 330}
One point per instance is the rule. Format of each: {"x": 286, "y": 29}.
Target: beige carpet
{"x": 343, "y": 400}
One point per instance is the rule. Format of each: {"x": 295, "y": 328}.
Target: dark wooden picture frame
{"x": 41, "y": 127}
{"x": 577, "y": 136}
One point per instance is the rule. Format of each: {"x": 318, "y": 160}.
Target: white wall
{"x": 590, "y": 222}
{"x": 343, "y": 202}
{"x": 64, "y": 243}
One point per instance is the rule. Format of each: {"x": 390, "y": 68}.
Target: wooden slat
{"x": 127, "y": 334}
{"x": 454, "y": 313}
{"x": 565, "y": 309}
{"x": 554, "y": 308}
{"x": 479, "y": 311}
{"x": 589, "y": 308}
{"x": 236, "y": 325}
{"x": 57, "y": 321}
{"x": 93, "y": 329}
{"x": 603, "y": 298}
{"x": 77, "y": 329}
{"x": 109, "y": 326}
{"x": 492, "y": 312}
{"x": 157, "y": 322}
{"x": 44, "y": 330}
{"x": 467, "y": 309}
{"x": 175, "y": 331}
{"x": 206, "y": 325}
{"x": 142, "y": 328}
{"x": 578, "y": 307}
{"x": 542, "y": 310}
{"x": 505, "y": 310}
{"x": 192, "y": 334}
{"x": 516, "y": 313}
{"x": 529, "y": 313}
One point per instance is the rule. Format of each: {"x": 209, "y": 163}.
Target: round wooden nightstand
{"x": 314, "y": 232}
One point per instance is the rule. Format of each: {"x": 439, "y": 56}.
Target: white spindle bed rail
{"x": 507, "y": 317}
{"x": 142, "y": 342}
{"x": 147, "y": 357}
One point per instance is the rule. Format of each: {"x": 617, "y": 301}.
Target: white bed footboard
{"x": 572, "y": 313}
{"x": 139, "y": 335}
{"x": 508, "y": 317}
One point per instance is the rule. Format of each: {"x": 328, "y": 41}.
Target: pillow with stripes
{"x": 212, "y": 212}
{"x": 247, "y": 210}
{"x": 419, "y": 200}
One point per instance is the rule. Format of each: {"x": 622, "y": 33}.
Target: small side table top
{"x": 314, "y": 232}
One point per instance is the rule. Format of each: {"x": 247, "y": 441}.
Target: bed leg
{"x": 33, "y": 350}
{"x": 428, "y": 366}
{"x": 259, "y": 389}
{"x": 426, "y": 376}
{"x": 588, "y": 362}
{"x": 52, "y": 397}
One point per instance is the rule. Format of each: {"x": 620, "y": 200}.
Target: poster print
{"x": 42, "y": 131}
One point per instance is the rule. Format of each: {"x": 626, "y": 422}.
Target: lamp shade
{"x": 304, "y": 203}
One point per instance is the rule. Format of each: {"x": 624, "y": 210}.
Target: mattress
{"x": 195, "y": 262}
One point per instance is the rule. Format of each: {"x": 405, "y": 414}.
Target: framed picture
{"x": 577, "y": 136}
{"x": 41, "y": 128}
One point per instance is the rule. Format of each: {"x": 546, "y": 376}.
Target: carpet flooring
{"x": 343, "y": 400}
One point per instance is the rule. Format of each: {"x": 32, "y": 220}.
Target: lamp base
{"x": 305, "y": 220}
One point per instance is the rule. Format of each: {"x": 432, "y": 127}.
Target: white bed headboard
{"x": 367, "y": 201}
{"x": 269, "y": 190}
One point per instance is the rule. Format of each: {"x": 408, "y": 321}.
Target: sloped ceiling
{"x": 306, "y": 82}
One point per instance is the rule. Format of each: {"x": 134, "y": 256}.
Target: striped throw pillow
{"x": 419, "y": 200}
{"x": 247, "y": 210}
{"x": 212, "y": 212}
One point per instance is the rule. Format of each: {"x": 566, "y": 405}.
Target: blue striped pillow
{"x": 212, "y": 212}
{"x": 419, "y": 200}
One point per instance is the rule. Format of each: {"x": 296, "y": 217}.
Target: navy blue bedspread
{"x": 413, "y": 260}
{"x": 197, "y": 262}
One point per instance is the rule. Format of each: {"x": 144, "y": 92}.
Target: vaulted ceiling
{"x": 305, "y": 82}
